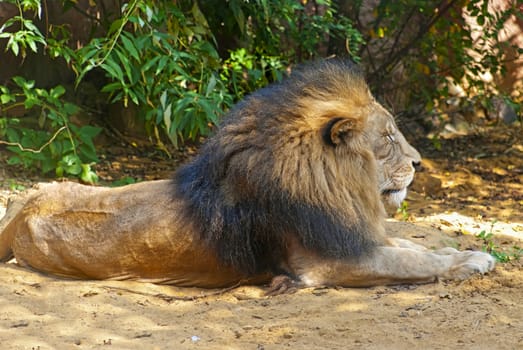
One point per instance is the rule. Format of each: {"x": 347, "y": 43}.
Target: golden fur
{"x": 292, "y": 183}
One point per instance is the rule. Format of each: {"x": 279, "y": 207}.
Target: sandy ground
{"x": 453, "y": 198}
{"x": 485, "y": 312}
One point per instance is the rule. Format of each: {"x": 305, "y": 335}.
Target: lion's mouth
{"x": 391, "y": 191}
{"x": 394, "y": 196}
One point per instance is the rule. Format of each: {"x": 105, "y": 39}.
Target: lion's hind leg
{"x": 14, "y": 207}
{"x": 12, "y": 217}
{"x": 391, "y": 265}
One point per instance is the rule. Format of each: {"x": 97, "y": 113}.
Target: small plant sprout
{"x": 497, "y": 252}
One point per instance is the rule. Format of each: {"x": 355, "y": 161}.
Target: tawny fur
{"x": 292, "y": 183}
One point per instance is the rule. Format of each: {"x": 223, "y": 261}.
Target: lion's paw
{"x": 469, "y": 263}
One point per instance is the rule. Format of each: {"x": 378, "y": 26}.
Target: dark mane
{"x": 229, "y": 189}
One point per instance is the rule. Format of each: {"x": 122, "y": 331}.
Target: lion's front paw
{"x": 469, "y": 263}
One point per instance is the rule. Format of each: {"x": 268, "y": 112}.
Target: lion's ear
{"x": 338, "y": 129}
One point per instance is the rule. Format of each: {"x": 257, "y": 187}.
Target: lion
{"x": 293, "y": 183}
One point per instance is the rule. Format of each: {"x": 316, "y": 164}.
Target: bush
{"x": 67, "y": 150}
{"x": 417, "y": 51}
{"x": 183, "y": 63}
{"x": 163, "y": 57}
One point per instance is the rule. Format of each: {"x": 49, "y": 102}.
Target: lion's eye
{"x": 390, "y": 138}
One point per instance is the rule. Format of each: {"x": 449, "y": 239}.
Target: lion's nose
{"x": 417, "y": 166}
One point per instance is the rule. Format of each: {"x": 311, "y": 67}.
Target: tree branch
{"x": 22, "y": 148}
{"x": 395, "y": 58}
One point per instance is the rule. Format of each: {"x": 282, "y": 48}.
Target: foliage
{"x": 13, "y": 186}
{"x": 126, "y": 180}
{"x": 55, "y": 144}
{"x": 269, "y": 36}
{"x": 501, "y": 255}
{"x": 403, "y": 211}
{"x": 183, "y": 63}
{"x": 432, "y": 46}
{"x": 290, "y": 30}
{"x": 164, "y": 58}
{"x": 170, "y": 75}
{"x": 244, "y": 72}
{"x": 176, "y": 75}
{"x": 28, "y": 35}
{"x": 67, "y": 152}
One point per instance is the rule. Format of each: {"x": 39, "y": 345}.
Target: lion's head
{"x": 308, "y": 159}
{"x": 396, "y": 158}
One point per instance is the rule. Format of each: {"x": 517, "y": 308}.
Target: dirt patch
{"x": 473, "y": 184}
{"x": 39, "y": 312}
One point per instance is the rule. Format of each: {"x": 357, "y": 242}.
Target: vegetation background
{"x": 82, "y": 78}
{"x": 166, "y": 71}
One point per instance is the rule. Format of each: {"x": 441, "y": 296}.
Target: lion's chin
{"x": 395, "y": 197}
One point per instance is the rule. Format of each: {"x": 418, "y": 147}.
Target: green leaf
{"x": 30, "y": 102}
{"x": 210, "y": 86}
{"x": 167, "y": 118}
{"x": 126, "y": 180}
{"x": 32, "y": 45}
{"x": 238, "y": 14}
{"x": 150, "y": 63}
{"x": 112, "y": 87}
{"x": 163, "y": 98}
{"x": 210, "y": 112}
{"x": 127, "y": 66}
{"x": 14, "y": 160}
{"x": 149, "y": 13}
{"x": 161, "y": 64}
{"x": 70, "y": 164}
{"x": 25, "y": 84}
{"x": 42, "y": 118}
{"x": 113, "y": 69}
{"x": 31, "y": 27}
{"x": 133, "y": 96}
{"x": 47, "y": 165}
{"x": 86, "y": 56}
{"x": 57, "y": 91}
{"x": 88, "y": 175}
{"x": 4, "y": 98}
{"x": 88, "y": 153}
{"x": 70, "y": 108}
{"x": 89, "y": 131}
{"x": 14, "y": 46}
{"x": 115, "y": 26}
{"x": 59, "y": 171}
{"x": 129, "y": 46}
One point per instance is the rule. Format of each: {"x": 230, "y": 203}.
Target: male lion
{"x": 291, "y": 184}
